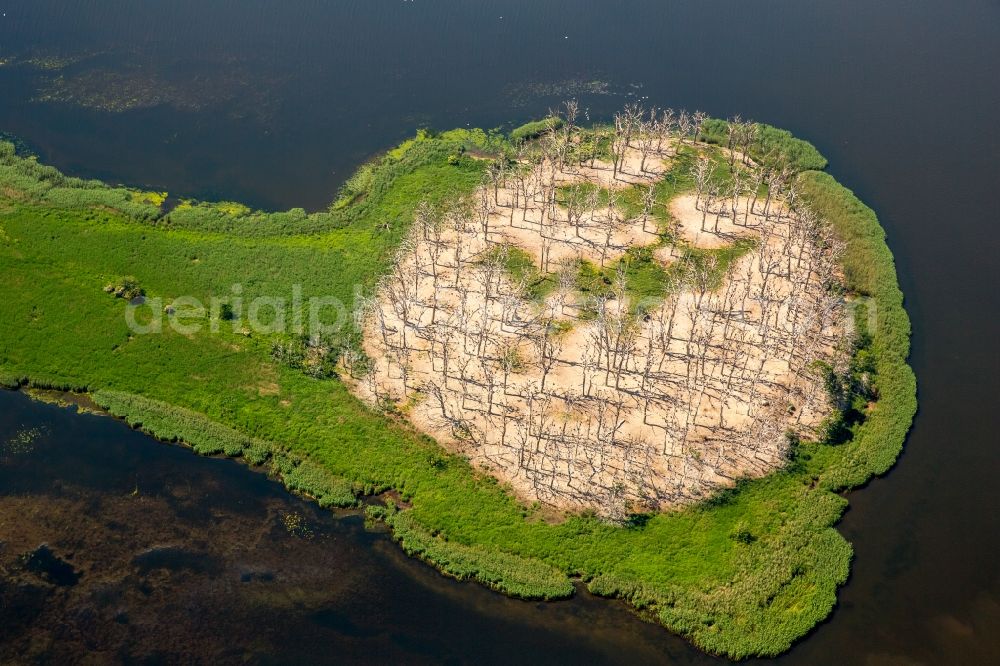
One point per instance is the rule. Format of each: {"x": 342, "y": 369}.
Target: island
{"x": 646, "y": 357}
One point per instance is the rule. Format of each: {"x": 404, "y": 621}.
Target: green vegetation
{"x": 745, "y": 573}
{"x": 535, "y": 129}
{"x": 772, "y": 145}
{"x": 11, "y": 381}
{"x": 174, "y": 424}
{"x": 521, "y": 267}
{"x": 646, "y": 280}
{"x": 502, "y": 571}
{"x": 126, "y": 288}
{"x": 870, "y": 273}
{"x": 207, "y": 437}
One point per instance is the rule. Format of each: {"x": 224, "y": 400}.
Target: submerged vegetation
{"x": 745, "y": 573}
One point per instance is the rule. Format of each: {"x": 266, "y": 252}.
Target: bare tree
{"x": 692, "y": 390}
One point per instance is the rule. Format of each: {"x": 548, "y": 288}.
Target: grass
{"x": 773, "y": 145}
{"x": 535, "y": 129}
{"x": 521, "y": 268}
{"x": 646, "y": 280}
{"x": 505, "y": 572}
{"x": 870, "y": 272}
{"x": 206, "y": 437}
{"x": 743, "y": 574}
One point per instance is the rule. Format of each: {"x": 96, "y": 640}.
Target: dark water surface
{"x": 276, "y": 102}
{"x": 117, "y": 547}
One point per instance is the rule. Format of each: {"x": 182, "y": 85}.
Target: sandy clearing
{"x": 707, "y": 226}
{"x": 614, "y": 414}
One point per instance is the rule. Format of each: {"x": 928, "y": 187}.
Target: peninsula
{"x": 646, "y": 357}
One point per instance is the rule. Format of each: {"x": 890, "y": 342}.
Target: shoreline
{"x": 870, "y": 453}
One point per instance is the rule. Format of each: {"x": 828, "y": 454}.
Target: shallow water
{"x": 116, "y": 545}
{"x": 276, "y": 103}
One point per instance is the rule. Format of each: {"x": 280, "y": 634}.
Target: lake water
{"x": 275, "y": 103}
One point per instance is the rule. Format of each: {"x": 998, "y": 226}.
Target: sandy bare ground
{"x": 608, "y": 411}
{"x": 715, "y": 229}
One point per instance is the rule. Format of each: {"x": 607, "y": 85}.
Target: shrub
{"x": 127, "y": 288}
{"x": 316, "y": 481}
{"x": 172, "y": 424}
{"x": 776, "y": 146}
{"x": 869, "y": 269}
{"x": 534, "y": 129}
{"x": 257, "y": 452}
{"x": 518, "y": 576}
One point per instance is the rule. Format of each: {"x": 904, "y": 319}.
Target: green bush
{"x": 54, "y": 383}
{"x": 11, "y": 381}
{"x": 514, "y": 575}
{"x": 317, "y": 482}
{"x": 535, "y": 128}
{"x": 870, "y": 270}
{"x": 172, "y": 424}
{"x": 127, "y": 288}
{"x": 257, "y": 451}
{"x": 773, "y": 145}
